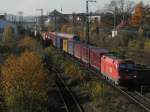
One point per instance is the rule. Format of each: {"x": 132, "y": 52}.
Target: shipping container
{"x": 68, "y": 36}
{"x": 85, "y": 53}
{"x": 58, "y": 42}
{"x": 71, "y": 47}
{"x": 77, "y": 49}
{"x": 65, "y": 45}
{"x": 95, "y": 57}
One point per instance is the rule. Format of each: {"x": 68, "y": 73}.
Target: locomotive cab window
{"x": 126, "y": 66}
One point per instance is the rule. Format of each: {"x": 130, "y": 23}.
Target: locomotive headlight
{"x": 135, "y": 76}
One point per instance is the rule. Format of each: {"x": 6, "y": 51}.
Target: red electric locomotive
{"x": 120, "y": 71}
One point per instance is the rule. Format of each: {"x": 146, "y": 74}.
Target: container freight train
{"x": 117, "y": 70}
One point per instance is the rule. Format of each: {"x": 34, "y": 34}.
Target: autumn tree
{"x": 50, "y": 27}
{"x": 25, "y": 82}
{"x": 141, "y": 18}
{"x": 136, "y": 19}
{"x": 30, "y": 44}
{"x": 8, "y": 36}
{"x": 64, "y": 28}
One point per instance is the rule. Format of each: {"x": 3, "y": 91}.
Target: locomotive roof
{"x": 117, "y": 58}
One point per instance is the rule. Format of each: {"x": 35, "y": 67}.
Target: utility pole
{"x": 115, "y": 18}
{"x": 55, "y": 22}
{"x": 87, "y": 21}
{"x": 41, "y": 19}
{"x": 88, "y": 29}
{"x": 20, "y": 18}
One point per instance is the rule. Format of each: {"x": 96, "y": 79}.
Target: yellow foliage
{"x": 8, "y": 36}
{"x": 64, "y": 28}
{"x": 30, "y": 44}
{"x": 69, "y": 30}
{"x": 71, "y": 70}
{"x": 147, "y": 45}
{"x": 24, "y": 77}
{"x": 138, "y": 15}
{"x": 95, "y": 89}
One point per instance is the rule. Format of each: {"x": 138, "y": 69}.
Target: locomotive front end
{"x": 128, "y": 74}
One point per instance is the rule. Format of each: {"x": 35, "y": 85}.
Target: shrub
{"x": 147, "y": 45}
{"x": 30, "y": 44}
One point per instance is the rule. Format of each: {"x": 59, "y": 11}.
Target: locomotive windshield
{"x": 127, "y": 69}
{"x": 126, "y": 66}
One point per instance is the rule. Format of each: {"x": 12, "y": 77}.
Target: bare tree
{"x": 121, "y": 7}
{"x": 146, "y": 15}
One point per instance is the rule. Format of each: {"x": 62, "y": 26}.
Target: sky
{"x": 28, "y": 7}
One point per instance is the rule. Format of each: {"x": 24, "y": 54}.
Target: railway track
{"x": 70, "y": 101}
{"x": 137, "y": 98}
{"x": 144, "y": 102}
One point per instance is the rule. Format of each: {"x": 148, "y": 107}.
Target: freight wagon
{"x": 85, "y": 53}
{"x": 78, "y": 50}
{"x": 71, "y": 47}
{"x": 95, "y": 57}
{"x": 62, "y": 40}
